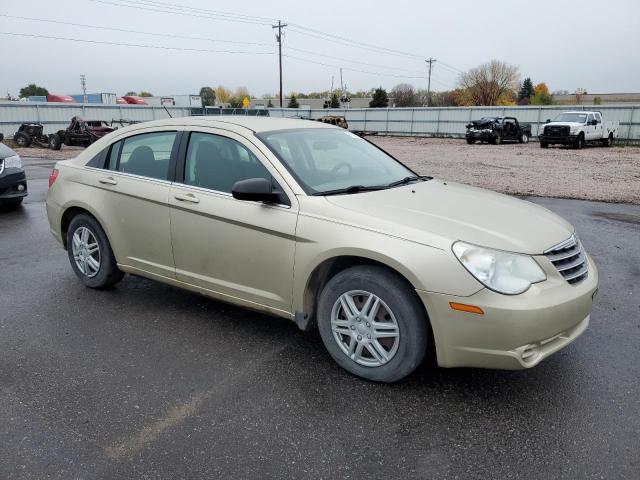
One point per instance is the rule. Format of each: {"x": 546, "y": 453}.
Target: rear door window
{"x": 147, "y": 155}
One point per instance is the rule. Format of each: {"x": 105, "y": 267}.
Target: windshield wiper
{"x": 351, "y": 189}
{"x": 406, "y": 180}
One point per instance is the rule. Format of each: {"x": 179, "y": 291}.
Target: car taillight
{"x": 53, "y": 176}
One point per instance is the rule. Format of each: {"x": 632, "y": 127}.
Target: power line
{"x": 166, "y": 7}
{"x": 159, "y": 9}
{"x": 161, "y": 47}
{"x": 141, "y": 32}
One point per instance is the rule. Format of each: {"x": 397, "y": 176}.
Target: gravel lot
{"x": 594, "y": 173}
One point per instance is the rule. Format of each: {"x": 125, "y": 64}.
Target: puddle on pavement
{"x": 619, "y": 217}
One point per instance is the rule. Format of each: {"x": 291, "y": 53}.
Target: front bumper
{"x": 481, "y": 136}
{"x": 515, "y": 331}
{"x": 558, "y": 139}
{"x": 13, "y": 184}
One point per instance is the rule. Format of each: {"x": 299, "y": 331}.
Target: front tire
{"x": 579, "y": 143}
{"x": 470, "y": 141}
{"x": 22, "y": 140}
{"x": 544, "y": 145}
{"x": 372, "y": 323}
{"x": 524, "y": 138}
{"x": 90, "y": 254}
{"x": 497, "y": 140}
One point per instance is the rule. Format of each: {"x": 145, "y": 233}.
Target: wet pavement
{"x": 148, "y": 381}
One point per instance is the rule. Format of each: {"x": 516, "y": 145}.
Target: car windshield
{"x": 571, "y": 117}
{"x": 328, "y": 160}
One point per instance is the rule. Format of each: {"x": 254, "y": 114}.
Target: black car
{"x": 13, "y": 182}
{"x": 497, "y": 129}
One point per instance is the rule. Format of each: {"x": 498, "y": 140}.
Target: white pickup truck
{"x": 578, "y": 128}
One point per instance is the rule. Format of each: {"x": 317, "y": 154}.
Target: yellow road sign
{"x": 245, "y": 102}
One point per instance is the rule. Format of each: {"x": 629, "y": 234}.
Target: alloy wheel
{"x": 365, "y": 328}
{"x": 86, "y": 251}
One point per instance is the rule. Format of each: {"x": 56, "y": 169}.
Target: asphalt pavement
{"x": 148, "y": 381}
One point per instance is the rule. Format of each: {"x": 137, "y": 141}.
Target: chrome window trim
{"x": 131, "y": 175}
{"x": 1, "y": 165}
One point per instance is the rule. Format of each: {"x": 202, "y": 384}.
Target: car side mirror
{"x": 255, "y": 190}
{"x": 594, "y": 122}
{"x": 548, "y": 120}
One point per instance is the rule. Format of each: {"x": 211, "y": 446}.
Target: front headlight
{"x": 503, "y": 272}
{"x": 574, "y": 130}
{"x": 13, "y": 162}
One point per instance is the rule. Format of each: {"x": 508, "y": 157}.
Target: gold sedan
{"x": 310, "y": 222}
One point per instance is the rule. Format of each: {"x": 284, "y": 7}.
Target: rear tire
{"x": 544, "y": 145}
{"x": 470, "y": 141}
{"x": 54, "y": 142}
{"x": 22, "y": 140}
{"x": 90, "y": 254}
{"x": 379, "y": 354}
{"x": 524, "y": 138}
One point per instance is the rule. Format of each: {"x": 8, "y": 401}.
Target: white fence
{"x": 432, "y": 122}
{"x": 56, "y": 117}
{"x": 451, "y": 121}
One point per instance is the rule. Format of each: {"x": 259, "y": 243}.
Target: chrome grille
{"x": 570, "y": 260}
{"x": 558, "y": 130}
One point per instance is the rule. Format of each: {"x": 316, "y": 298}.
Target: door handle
{"x": 108, "y": 181}
{"x": 189, "y": 197}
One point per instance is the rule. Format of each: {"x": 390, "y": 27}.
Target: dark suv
{"x": 13, "y": 182}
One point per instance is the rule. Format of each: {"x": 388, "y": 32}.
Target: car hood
{"x": 6, "y": 151}
{"x": 437, "y": 213}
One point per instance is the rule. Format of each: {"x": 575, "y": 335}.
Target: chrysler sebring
{"x": 310, "y": 222}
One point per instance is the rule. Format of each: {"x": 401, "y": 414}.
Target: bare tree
{"x": 490, "y": 83}
{"x": 403, "y": 95}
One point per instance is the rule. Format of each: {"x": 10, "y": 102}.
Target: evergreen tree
{"x": 293, "y": 102}
{"x": 335, "y": 101}
{"x": 526, "y": 90}
{"x": 380, "y": 99}
{"x": 269, "y": 105}
{"x": 33, "y": 90}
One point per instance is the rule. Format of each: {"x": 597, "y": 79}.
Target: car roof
{"x": 255, "y": 124}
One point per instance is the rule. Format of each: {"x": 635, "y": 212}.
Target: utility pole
{"x": 83, "y": 84}
{"x": 280, "y": 26}
{"x": 430, "y": 61}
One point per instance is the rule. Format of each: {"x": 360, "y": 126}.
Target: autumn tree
{"x": 235, "y": 102}
{"x": 403, "y": 95}
{"x": 208, "y": 96}
{"x": 491, "y": 83}
{"x": 380, "y": 99}
{"x": 223, "y": 94}
{"x": 33, "y": 90}
{"x": 541, "y": 95}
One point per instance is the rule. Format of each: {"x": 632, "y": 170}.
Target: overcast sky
{"x": 592, "y": 44}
